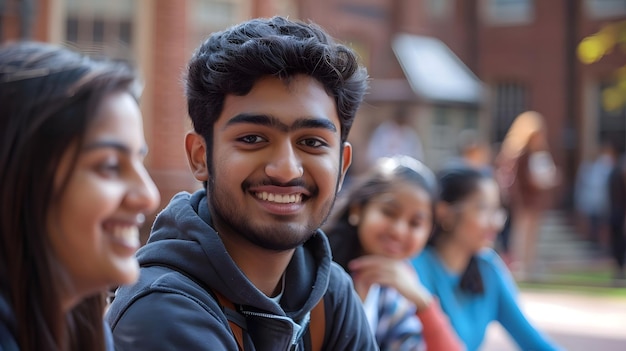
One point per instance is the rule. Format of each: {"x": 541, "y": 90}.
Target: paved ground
{"x": 577, "y": 322}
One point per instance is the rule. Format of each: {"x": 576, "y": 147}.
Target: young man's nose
{"x": 284, "y": 164}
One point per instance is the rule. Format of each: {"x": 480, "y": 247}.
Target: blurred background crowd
{"x": 448, "y": 80}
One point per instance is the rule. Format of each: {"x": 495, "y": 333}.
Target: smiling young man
{"x": 272, "y": 102}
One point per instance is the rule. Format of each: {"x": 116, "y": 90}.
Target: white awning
{"x": 434, "y": 72}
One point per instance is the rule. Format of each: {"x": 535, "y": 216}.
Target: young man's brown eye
{"x": 313, "y": 143}
{"x": 251, "y": 139}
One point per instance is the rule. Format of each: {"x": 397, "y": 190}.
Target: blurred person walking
{"x": 617, "y": 218}
{"x": 74, "y": 192}
{"x": 395, "y": 136}
{"x": 525, "y": 171}
{"x": 461, "y": 269}
{"x": 591, "y": 193}
{"x": 384, "y": 220}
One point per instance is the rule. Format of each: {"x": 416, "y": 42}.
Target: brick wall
{"x": 167, "y": 161}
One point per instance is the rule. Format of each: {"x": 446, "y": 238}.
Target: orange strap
{"x": 234, "y": 327}
{"x": 317, "y": 323}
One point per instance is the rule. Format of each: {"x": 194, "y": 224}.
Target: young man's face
{"x": 276, "y": 162}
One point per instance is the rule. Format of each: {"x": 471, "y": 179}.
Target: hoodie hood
{"x": 183, "y": 239}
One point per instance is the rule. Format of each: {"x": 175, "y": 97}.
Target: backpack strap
{"x": 317, "y": 326}
{"x": 234, "y": 327}
{"x": 317, "y": 323}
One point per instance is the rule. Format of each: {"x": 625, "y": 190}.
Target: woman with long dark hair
{"x": 459, "y": 267}
{"x": 74, "y": 191}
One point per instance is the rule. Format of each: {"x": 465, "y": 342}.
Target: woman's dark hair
{"x": 387, "y": 172}
{"x": 49, "y": 97}
{"x": 232, "y": 61}
{"x": 455, "y": 185}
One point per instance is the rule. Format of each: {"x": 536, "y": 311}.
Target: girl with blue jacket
{"x": 463, "y": 272}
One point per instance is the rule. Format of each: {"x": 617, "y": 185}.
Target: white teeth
{"x": 128, "y": 235}
{"x": 278, "y": 198}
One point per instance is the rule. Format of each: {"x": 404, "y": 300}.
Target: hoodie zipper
{"x": 296, "y": 334}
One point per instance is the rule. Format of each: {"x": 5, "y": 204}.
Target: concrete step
{"x": 560, "y": 250}
{"x": 560, "y": 247}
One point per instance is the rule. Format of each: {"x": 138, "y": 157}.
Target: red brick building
{"x": 524, "y": 51}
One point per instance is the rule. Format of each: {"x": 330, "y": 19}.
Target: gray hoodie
{"x": 171, "y": 306}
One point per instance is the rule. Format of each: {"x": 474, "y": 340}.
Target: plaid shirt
{"x": 393, "y": 320}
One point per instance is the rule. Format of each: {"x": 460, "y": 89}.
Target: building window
{"x": 439, "y": 9}
{"x": 209, "y": 16}
{"x": 471, "y": 119}
{"x": 442, "y": 130}
{"x": 20, "y": 15}
{"x": 511, "y": 99}
{"x": 100, "y": 27}
{"x": 213, "y": 15}
{"x": 375, "y": 12}
{"x": 605, "y": 8}
{"x": 507, "y": 12}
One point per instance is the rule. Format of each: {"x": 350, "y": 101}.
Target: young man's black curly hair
{"x": 232, "y": 61}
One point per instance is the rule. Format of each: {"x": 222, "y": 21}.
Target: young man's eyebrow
{"x": 271, "y": 121}
{"x": 314, "y": 123}
{"x": 115, "y": 145}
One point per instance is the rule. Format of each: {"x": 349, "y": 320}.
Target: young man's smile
{"x": 281, "y": 200}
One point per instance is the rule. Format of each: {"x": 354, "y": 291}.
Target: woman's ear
{"x": 441, "y": 210}
{"x": 444, "y": 215}
{"x": 354, "y": 215}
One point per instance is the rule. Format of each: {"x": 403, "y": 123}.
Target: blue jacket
{"x": 170, "y": 307}
{"x": 470, "y": 314}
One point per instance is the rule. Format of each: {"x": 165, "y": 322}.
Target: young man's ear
{"x": 195, "y": 146}
{"x": 346, "y": 160}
